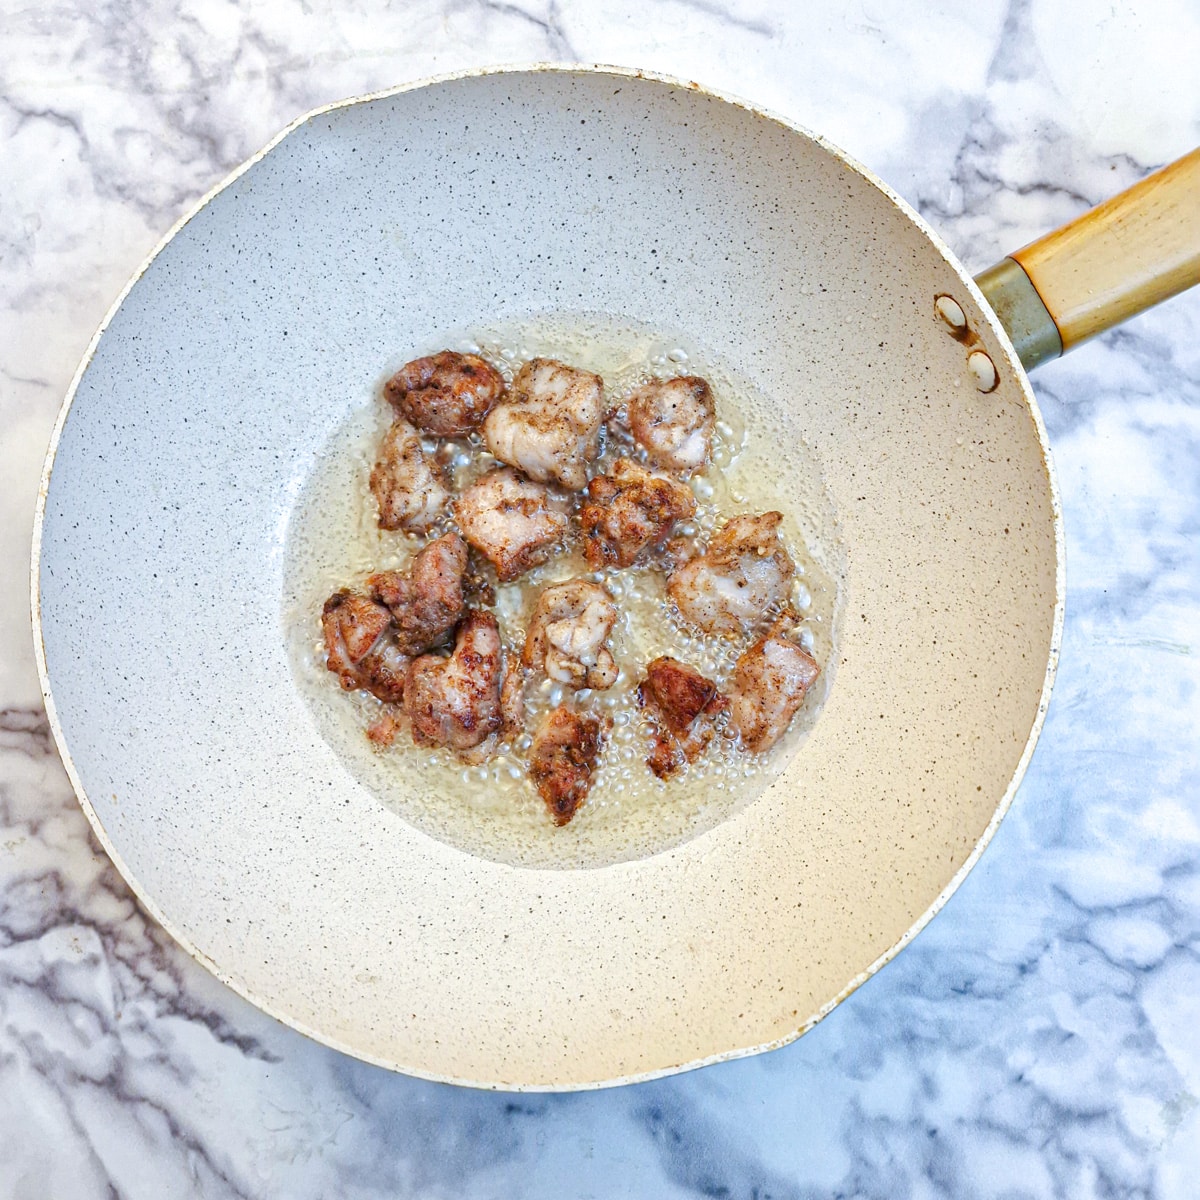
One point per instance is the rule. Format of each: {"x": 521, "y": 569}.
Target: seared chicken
{"x": 383, "y": 670}
{"x": 360, "y": 647}
{"x": 549, "y": 424}
{"x": 568, "y": 635}
{"x": 769, "y": 683}
{"x": 427, "y": 601}
{"x": 743, "y": 573}
{"x": 381, "y": 733}
{"x": 455, "y": 701}
{"x": 512, "y": 699}
{"x": 513, "y": 522}
{"x": 352, "y": 624}
{"x": 563, "y": 758}
{"x": 447, "y": 394}
{"x": 629, "y": 510}
{"x": 408, "y": 486}
{"x": 682, "y": 705}
{"x": 672, "y": 419}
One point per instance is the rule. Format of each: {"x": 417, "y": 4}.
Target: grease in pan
{"x": 657, "y": 580}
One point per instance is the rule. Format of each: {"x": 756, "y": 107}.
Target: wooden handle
{"x": 1129, "y": 253}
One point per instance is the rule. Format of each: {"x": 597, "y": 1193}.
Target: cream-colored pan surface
{"x": 261, "y": 327}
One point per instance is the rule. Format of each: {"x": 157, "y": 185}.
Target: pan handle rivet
{"x": 984, "y": 370}
{"x": 950, "y": 311}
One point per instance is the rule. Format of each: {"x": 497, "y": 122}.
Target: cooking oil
{"x": 491, "y": 809}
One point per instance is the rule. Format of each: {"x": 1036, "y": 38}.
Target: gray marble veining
{"x": 1040, "y": 1037}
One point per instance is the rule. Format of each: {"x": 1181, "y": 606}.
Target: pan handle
{"x": 1104, "y": 267}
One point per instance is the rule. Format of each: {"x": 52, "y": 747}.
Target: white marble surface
{"x": 1041, "y": 1037}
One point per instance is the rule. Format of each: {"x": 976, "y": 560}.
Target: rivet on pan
{"x": 984, "y": 371}
{"x": 951, "y": 312}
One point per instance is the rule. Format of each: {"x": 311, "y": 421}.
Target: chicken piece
{"x": 512, "y": 699}
{"x": 743, "y": 573}
{"x": 408, "y": 487}
{"x": 683, "y": 707}
{"x": 677, "y": 550}
{"x": 629, "y": 510}
{"x": 512, "y": 714}
{"x": 383, "y": 670}
{"x": 769, "y": 683}
{"x": 359, "y": 647}
{"x": 563, "y": 758}
{"x": 447, "y": 394}
{"x": 672, "y": 420}
{"x": 549, "y": 423}
{"x": 511, "y": 521}
{"x": 455, "y": 701}
{"x": 382, "y": 733}
{"x": 426, "y": 602}
{"x": 568, "y": 634}
{"x": 352, "y": 624}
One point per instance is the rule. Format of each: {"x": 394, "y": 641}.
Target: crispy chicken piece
{"x": 427, "y": 601}
{"x": 677, "y": 550}
{"x": 672, "y": 419}
{"x": 683, "y": 706}
{"x": 447, "y": 394}
{"x": 512, "y": 713}
{"x": 383, "y": 670}
{"x": 549, "y": 423}
{"x": 382, "y": 732}
{"x": 629, "y": 510}
{"x": 455, "y": 701}
{"x": 513, "y": 522}
{"x": 512, "y": 698}
{"x": 352, "y": 624}
{"x": 359, "y": 646}
{"x": 563, "y": 758}
{"x": 568, "y": 635}
{"x": 408, "y": 486}
{"x": 744, "y": 571}
{"x": 769, "y": 683}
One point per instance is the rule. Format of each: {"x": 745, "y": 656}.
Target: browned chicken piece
{"x": 383, "y": 670}
{"x": 563, "y": 758}
{"x": 512, "y": 714}
{"x": 568, "y": 635}
{"x": 359, "y": 647}
{"x": 672, "y": 420}
{"x": 769, "y": 683}
{"x": 629, "y": 510}
{"x": 549, "y": 423}
{"x": 352, "y": 624}
{"x": 426, "y": 602}
{"x": 446, "y": 394}
{"x": 455, "y": 701}
{"x": 743, "y": 573}
{"x": 511, "y": 521}
{"x": 408, "y": 486}
{"x": 382, "y": 732}
{"x": 683, "y": 706}
{"x": 512, "y": 698}
{"x": 677, "y": 550}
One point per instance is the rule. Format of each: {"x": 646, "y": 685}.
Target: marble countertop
{"x": 1040, "y": 1038}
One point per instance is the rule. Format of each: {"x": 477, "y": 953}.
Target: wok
{"x": 375, "y": 228}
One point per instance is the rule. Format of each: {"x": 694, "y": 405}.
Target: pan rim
{"x": 1004, "y": 804}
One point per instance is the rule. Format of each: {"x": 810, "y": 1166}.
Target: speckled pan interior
{"x": 197, "y": 419}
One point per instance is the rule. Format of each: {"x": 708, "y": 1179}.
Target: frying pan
{"x": 375, "y": 228}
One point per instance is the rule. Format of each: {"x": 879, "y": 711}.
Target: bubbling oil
{"x": 492, "y": 809}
